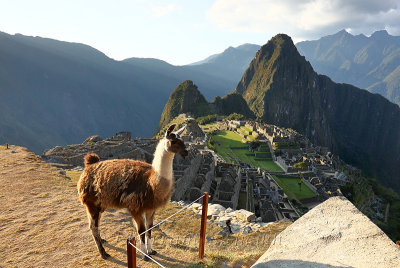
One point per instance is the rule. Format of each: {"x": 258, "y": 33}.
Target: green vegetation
{"x": 285, "y": 145}
{"x": 300, "y": 165}
{"x": 207, "y": 119}
{"x": 185, "y": 98}
{"x": 362, "y": 190}
{"x": 222, "y": 141}
{"x": 235, "y": 116}
{"x": 179, "y": 120}
{"x": 291, "y": 188}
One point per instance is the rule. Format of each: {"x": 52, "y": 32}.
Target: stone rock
{"x": 62, "y": 172}
{"x": 332, "y": 234}
{"x": 123, "y": 135}
{"x": 259, "y": 219}
{"x": 247, "y": 230}
{"x": 245, "y": 215}
{"x": 223, "y": 233}
{"x": 54, "y": 150}
{"x": 263, "y": 224}
{"x": 235, "y": 228}
{"x": 229, "y": 210}
{"x": 214, "y": 209}
{"x": 196, "y": 206}
{"x": 94, "y": 138}
{"x": 224, "y": 218}
{"x": 79, "y": 168}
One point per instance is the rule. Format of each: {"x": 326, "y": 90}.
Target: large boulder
{"x": 333, "y": 234}
{"x": 245, "y": 215}
{"x": 214, "y": 209}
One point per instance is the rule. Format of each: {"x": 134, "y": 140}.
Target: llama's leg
{"x": 141, "y": 227}
{"x": 94, "y": 213}
{"x": 149, "y": 224}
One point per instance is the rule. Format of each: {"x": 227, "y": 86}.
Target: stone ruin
{"x": 117, "y": 147}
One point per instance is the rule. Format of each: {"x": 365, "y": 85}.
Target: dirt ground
{"x": 42, "y": 224}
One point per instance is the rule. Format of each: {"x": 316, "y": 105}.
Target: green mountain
{"x": 362, "y": 128}
{"x": 366, "y": 62}
{"x": 185, "y": 98}
{"x": 231, "y": 103}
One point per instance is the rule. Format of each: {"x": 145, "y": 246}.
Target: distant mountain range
{"x": 58, "y": 93}
{"x": 371, "y": 63}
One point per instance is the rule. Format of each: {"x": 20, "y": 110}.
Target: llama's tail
{"x": 91, "y": 158}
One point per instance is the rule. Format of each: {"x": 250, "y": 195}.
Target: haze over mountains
{"x": 371, "y": 63}
{"x": 58, "y": 93}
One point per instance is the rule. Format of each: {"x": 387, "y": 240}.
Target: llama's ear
{"x": 179, "y": 131}
{"x": 169, "y": 131}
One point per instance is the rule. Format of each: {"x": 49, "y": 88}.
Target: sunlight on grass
{"x": 291, "y": 187}
{"x": 224, "y": 140}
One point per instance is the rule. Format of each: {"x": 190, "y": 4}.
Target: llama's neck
{"x": 162, "y": 161}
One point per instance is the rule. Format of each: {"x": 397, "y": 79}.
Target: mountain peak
{"x": 279, "y": 51}
{"x": 185, "y": 98}
{"x": 380, "y": 34}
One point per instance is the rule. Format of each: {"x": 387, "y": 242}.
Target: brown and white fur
{"x": 135, "y": 185}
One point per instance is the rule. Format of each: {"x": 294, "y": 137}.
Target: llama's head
{"x": 174, "y": 142}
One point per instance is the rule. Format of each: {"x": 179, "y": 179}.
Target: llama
{"x": 135, "y": 185}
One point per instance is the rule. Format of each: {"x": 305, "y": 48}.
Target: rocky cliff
{"x": 362, "y": 128}
{"x": 231, "y": 103}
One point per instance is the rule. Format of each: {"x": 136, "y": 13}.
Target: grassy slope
{"x": 42, "y": 224}
{"x": 291, "y": 187}
{"x": 230, "y": 139}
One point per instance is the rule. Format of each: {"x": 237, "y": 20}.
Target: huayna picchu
{"x": 281, "y": 87}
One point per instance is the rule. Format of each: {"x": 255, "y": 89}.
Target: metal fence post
{"x": 203, "y": 226}
{"x": 131, "y": 252}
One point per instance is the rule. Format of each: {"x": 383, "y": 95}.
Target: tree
{"x": 300, "y": 165}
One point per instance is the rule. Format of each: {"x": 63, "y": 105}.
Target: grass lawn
{"x": 228, "y": 139}
{"x": 291, "y": 187}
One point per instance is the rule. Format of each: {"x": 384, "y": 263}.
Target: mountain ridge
{"x": 365, "y": 62}
{"x": 281, "y": 87}
{"x": 56, "y": 93}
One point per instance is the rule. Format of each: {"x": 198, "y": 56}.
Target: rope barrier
{"x": 202, "y": 231}
{"x": 162, "y": 221}
{"x": 146, "y": 255}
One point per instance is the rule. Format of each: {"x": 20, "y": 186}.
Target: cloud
{"x": 159, "y": 11}
{"x": 306, "y": 19}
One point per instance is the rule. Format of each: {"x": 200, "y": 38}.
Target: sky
{"x": 185, "y": 31}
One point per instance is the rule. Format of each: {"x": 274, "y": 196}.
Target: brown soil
{"x": 42, "y": 224}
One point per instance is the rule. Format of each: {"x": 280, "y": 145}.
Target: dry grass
{"x": 43, "y": 225}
